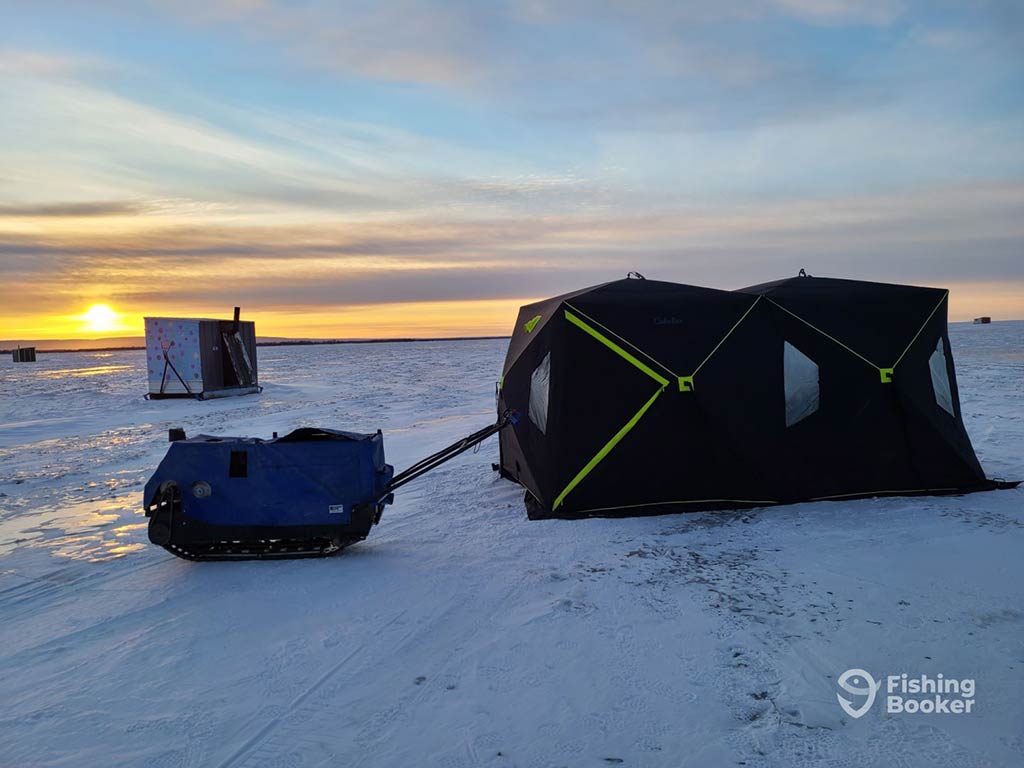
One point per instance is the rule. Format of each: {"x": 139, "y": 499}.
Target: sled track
{"x": 321, "y": 725}
{"x": 243, "y": 751}
{"x": 34, "y": 593}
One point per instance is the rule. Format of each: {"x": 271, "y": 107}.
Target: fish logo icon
{"x": 859, "y": 683}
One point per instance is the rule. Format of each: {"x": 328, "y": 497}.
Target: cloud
{"x": 404, "y": 41}
{"x": 226, "y": 159}
{"x": 610, "y": 64}
{"x": 400, "y": 152}
{"x": 580, "y": 66}
{"x": 872, "y": 12}
{"x": 948, "y": 38}
{"x": 65, "y": 210}
{"x": 29, "y": 63}
{"x": 568, "y": 61}
{"x": 895, "y": 236}
{"x": 965, "y": 237}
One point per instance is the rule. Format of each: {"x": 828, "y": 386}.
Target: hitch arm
{"x": 437, "y": 459}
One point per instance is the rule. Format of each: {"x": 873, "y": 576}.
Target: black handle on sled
{"x": 422, "y": 466}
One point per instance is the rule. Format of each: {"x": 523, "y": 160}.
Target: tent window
{"x": 800, "y": 375}
{"x": 940, "y": 379}
{"x": 540, "y": 380}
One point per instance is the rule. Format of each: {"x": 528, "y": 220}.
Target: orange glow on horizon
{"x": 483, "y": 317}
{"x": 427, "y": 319}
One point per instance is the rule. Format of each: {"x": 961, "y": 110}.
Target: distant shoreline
{"x": 286, "y": 343}
{"x": 319, "y": 342}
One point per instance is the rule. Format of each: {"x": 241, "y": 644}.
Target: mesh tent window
{"x": 940, "y": 379}
{"x": 800, "y": 376}
{"x": 540, "y": 381}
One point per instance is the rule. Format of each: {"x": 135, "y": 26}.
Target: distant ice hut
{"x": 201, "y": 357}
{"x": 24, "y": 355}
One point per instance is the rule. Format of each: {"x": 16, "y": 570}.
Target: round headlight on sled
{"x": 201, "y": 489}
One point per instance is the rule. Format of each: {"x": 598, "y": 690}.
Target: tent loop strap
{"x": 930, "y": 315}
{"x": 823, "y": 333}
{"x": 886, "y": 373}
{"x": 719, "y": 344}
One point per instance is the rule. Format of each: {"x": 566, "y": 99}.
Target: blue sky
{"x": 376, "y": 168}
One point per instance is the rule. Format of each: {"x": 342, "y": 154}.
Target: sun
{"x": 100, "y": 318}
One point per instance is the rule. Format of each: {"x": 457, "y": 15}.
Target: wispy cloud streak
{"x": 331, "y": 156}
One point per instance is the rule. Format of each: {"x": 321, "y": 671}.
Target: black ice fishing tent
{"x": 648, "y": 397}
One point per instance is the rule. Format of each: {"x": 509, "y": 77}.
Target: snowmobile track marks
{"x": 246, "y": 749}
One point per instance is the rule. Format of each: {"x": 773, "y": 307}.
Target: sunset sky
{"x": 367, "y": 169}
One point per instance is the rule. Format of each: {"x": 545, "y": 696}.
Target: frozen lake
{"x": 462, "y": 634}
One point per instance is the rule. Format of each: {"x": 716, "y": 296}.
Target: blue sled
{"x": 309, "y": 493}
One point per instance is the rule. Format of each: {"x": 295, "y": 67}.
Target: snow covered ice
{"x": 462, "y": 634}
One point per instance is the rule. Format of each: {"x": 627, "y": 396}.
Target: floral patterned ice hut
{"x": 200, "y": 357}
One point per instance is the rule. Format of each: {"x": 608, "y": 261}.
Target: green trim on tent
{"x": 685, "y": 384}
{"x": 627, "y": 342}
{"x": 606, "y": 449}
{"x": 616, "y": 348}
{"x": 905, "y": 492}
{"x": 752, "y": 502}
{"x": 530, "y": 324}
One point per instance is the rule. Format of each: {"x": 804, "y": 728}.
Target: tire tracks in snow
{"x": 244, "y": 751}
{"x": 324, "y": 726}
{"x": 34, "y": 592}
